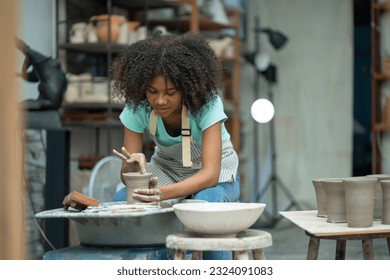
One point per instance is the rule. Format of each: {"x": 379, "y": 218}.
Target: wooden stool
{"x": 249, "y": 239}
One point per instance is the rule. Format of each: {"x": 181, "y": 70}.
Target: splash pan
{"x": 121, "y": 225}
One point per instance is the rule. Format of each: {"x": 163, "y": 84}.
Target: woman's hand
{"x": 135, "y": 161}
{"x": 153, "y": 194}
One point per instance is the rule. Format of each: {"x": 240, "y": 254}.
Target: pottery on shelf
{"x": 106, "y": 25}
{"x": 320, "y": 197}
{"x": 378, "y": 195}
{"x": 77, "y": 32}
{"x": 127, "y": 32}
{"x": 335, "y": 200}
{"x": 359, "y": 200}
{"x": 385, "y": 184}
{"x": 135, "y": 180}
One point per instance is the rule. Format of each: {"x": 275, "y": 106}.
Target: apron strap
{"x": 153, "y": 123}
{"x": 186, "y": 137}
{"x": 185, "y": 134}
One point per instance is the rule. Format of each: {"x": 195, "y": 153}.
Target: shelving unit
{"x": 105, "y": 115}
{"x": 378, "y": 76}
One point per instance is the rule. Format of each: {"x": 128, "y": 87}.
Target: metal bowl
{"x": 218, "y": 219}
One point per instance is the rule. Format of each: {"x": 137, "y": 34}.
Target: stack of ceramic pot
{"x": 357, "y": 201}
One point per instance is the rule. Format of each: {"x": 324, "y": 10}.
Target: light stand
{"x": 273, "y": 182}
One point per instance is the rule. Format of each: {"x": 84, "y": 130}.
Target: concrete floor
{"x": 290, "y": 243}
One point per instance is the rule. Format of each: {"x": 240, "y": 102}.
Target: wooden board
{"x": 79, "y": 201}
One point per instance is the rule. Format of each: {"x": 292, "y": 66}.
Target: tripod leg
{"x": 261, "y": 193}
{"x": 289, "y": 195}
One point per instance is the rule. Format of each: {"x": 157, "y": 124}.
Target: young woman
{"x": 171, "y": 85}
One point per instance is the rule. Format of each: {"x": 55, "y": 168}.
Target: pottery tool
{"x": 120, "y": 208}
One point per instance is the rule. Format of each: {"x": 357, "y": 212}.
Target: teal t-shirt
{"x": 138, "y": 121}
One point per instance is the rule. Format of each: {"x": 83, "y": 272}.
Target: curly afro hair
{"x": 187, "y": 60}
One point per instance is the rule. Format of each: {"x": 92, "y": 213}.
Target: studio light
{"x": 270, "y": 74}
{"x": 260, "y": 60}
{"x": 276, "y": 38}
{"x": 262, "y": 110}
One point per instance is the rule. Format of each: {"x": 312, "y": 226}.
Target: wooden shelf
{"x": 184, "y": 24}
{"x": 377, "y": 78}
{"x": 96, "y": 48}
{"x": 382, "y": 6}
{"x": 92, "y": 106}
{"x": 146, "y": 4}
{"x": 381, "y": 76}
{"x": 101, "y": 114}
{"x": 382, "y": 127}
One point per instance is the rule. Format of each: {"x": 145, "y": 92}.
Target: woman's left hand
{"x": 153, "y": 194}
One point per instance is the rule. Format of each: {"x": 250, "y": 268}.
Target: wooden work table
{"x": 318, "y": 228}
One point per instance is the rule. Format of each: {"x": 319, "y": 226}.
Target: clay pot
{"x": 335, "y": 200}
{"x": 133, "y": 25}
{"x": 101, "y": 25}
{"x": 359, "y": 201}
{"x": 378, "y": 210}
{"x": 320, "y": 197}
{"x": 386, "y": 201}
{"x": 135, "y": 180}
{"x": 77, "y": 32}
{"x": 126, "y": 32}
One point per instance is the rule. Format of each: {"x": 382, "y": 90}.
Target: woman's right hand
{"x": 135, "y": 162}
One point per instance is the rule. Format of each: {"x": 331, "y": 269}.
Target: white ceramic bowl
{"x": 218, "y": 218}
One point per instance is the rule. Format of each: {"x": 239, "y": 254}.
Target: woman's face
{"x": 164, "y": 98}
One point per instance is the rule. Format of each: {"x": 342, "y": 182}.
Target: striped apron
{"x": 179, "y": 161}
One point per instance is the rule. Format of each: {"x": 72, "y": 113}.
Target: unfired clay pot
{"x": 386, "y": 201}
{"x": 378, "y": 195}
{"x": 320, "y": 197}
{"x": 135, "y": 180}
{"x": 335, "y": 200}
{"x": 359, "y": 201}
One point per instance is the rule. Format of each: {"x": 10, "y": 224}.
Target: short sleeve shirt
{"x": 138, "y": 121}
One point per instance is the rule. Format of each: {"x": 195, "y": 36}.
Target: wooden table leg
{"x": 258, "y": 254}
{"x": 196, "y": 255}
{"x": 368, "y": 249}
{"x": 240, "y": 255}
{"x": 341, "y": 246}
{"x": 312, "y": 250}
{"x": 180, "y": 254}
{"x": 388, "y": 244}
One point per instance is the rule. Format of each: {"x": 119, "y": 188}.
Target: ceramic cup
{"x": 77, "y": 32}
{"x": 320, "y": 197}
{"x": 335, "y": 200}
{"x": 135, "y": 180}
{"x": 359, "y": 201}
{"x": 386, "y": 201}
{"x": 378, "y": 210}
{"x": 91, "y": 34}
